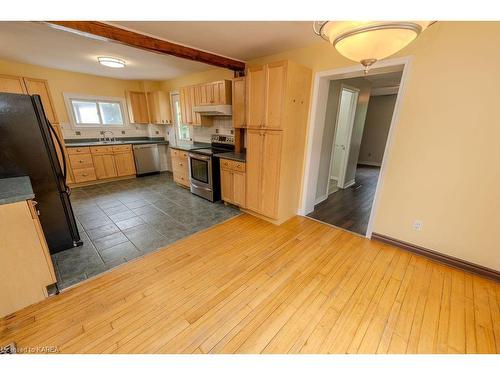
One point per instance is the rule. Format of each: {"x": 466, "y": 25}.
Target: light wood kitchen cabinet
{"x": 137, "y": 105}
{"x": 189, "y": 98}
{"x": 40, "y": 87}
{"x": 186, "y": 106}
{"x": 277, "y": 106}
{"x": 238, "y": 100}
{"x": 233, "y": 185}
{"x": 26, "y": 268}
{"x": 12, "y": 84}
{"x": 263, "y": 171}
{"x": 215, "y": 93}
{"x": 104, "y": 162}
{"x": 159, "y": 107}
{"x": 101, "y": 162}
{"x": 266, "y": 95}
{"x": 124, "y": 162}
{"x": 180, "y": 167}
{"x": 255, "y": 94}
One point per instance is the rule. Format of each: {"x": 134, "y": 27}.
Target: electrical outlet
{"x": 417, "y": 225}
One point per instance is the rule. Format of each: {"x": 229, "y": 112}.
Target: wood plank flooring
{"x": 247, "y": 286}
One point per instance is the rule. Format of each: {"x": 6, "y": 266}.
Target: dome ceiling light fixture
{"x": 369, "y": 41}
{"x": 111, "y": 62}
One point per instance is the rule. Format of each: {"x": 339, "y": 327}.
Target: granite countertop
{"x": 119, "y": 141}
{"x": 15, "y": 189}
{"x": 238, "y": 156}
{"x": 189, "y": 147}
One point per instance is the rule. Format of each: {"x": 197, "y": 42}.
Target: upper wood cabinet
{"x": 159, "y": 107}
{"x": 238, "y": 92}
{"x": 31, "y": 86}
{"x": 266, "y": 95}
{"x": 277, "y": 106}
{"x": 255, "y": 96}
{"x": 214, "y": 93}
{"x": 12, "y": 84}
{"x": 189, "y": 97}
{"x": 137, "y": 105}
{"x": 41, "y": 87}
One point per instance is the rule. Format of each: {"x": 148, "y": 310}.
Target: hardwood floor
{"x": 247, "y": 286}
{"x": 350, "y": 208}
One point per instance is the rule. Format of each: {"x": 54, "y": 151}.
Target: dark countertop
{"x": 119, "y": 141}
{"x": 189, "y": 147}
{"x": 238, "y": 156}
{"x": 15, "y": 189}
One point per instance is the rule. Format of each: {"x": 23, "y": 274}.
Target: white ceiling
{"x": 39, "y": 44}
{"x": 385, "y": 79}
{"x": 240, "y": 40}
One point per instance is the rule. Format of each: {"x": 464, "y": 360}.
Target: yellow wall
{"x": 61, "y": 81}
{"x": 196, "y": 78}
{"x": 444, "y": 166}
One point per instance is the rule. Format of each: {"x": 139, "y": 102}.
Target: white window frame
{"x": 68, "y": 97}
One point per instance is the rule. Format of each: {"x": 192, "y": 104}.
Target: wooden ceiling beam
{"x": 104, "y": 31}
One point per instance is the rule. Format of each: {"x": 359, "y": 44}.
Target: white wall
{"x": 378, "y": 122}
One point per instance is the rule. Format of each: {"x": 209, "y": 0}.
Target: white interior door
{"x": 343, "y": 132}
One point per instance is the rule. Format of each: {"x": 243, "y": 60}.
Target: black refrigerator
{"x": 27, "y": 149}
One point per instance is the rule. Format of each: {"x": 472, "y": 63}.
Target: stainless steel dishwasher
{"x": 147, "y": 158}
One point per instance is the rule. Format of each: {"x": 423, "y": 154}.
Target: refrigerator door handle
{"x": 61, "y": 149}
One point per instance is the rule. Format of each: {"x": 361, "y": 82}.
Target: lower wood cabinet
{"x": 125, "y": 164}
{"x": 104, "y": 165}
{"x": 180, "y": 167}
{"x": 233, "y": 182}
{"x": 263, "y": 171}
{"x": 26, "y": 268}
{"x": 101, "y": 162}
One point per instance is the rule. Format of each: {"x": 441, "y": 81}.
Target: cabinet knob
{"x": 80, "y": 161}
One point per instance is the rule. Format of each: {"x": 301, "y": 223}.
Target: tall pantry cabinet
{"x": 277, "y": 105}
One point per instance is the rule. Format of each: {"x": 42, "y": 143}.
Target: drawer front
{"x": 84, "y": 174}
{"x": 78, "y": 150}
{"x": 233, "y": 165}
{"x": 180, "y": 165}
{"x": 181, "y": 179}
{"x": 122, "y": 148}
{"x": 81, "y": 161}
{"x": 179, "y": 154}
{"x": 96, "y": 150}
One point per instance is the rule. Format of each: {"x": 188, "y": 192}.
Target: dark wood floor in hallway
{"x": 350, "y": 208}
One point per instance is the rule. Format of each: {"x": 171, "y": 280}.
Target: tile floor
{"x": 121, "y": 220}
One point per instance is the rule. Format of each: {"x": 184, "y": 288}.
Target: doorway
{"x": 346, "y": 152}
{"x": 342, "y": 139}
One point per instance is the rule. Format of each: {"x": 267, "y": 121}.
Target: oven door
{"x": 200, "y": 170}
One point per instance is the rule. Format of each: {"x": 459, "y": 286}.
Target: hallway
{"x": 350, "y": 208}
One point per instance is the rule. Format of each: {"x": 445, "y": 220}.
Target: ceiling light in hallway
{"x": 369, "y": 41}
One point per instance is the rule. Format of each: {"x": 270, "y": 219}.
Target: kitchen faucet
{"x": 110, "y": 139}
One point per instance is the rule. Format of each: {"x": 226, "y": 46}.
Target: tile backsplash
{"x": 127, "y": 131}
{"x": 222, "y": 125}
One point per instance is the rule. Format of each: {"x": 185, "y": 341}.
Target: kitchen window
{"x": 183, "y": 131}
{"x": 96, "y": 112}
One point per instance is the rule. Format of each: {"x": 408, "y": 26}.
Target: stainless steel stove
{"x": 204, "y": 168}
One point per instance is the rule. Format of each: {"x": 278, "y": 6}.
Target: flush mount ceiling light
{"x": 111, "y": 62}
{"x": 369, "y": 41}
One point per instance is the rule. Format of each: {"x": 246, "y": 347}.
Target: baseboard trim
{"x": 369, "y": 163}
{"x": 439, "y": 257}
